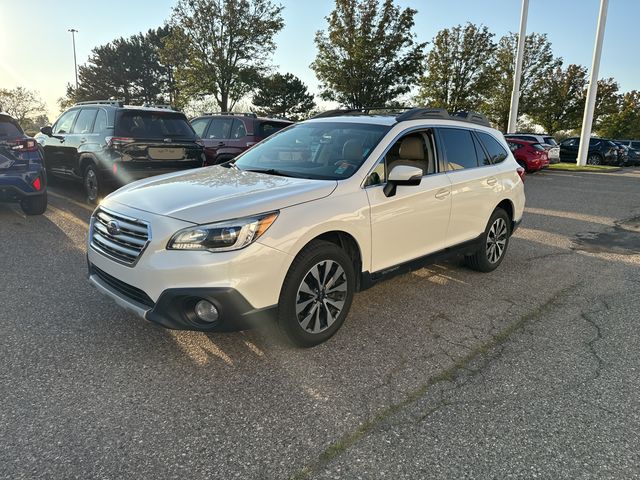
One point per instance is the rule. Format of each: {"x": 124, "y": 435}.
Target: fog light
{"x": 206, "y": 311}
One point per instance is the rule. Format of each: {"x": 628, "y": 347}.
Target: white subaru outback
{"x": 293, "y": 227}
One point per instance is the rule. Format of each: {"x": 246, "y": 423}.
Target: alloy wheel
{"x": 321, "y": 296}
{"x": 593, "y": 159}
{"x": 496, "y": 240}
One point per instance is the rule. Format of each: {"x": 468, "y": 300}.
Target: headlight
{"x": 223, "y": 236}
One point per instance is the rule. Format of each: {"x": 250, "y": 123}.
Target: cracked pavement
{"x": 531, "y": 371}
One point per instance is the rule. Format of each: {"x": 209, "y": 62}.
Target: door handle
{"x": 491, "y": 181}
{"x": 83, "y": 140}
{"x": 441, "y": 194}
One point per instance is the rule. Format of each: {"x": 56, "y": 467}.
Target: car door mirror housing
{"x": 47, "y": 131}
{"x": 402, "y": 175}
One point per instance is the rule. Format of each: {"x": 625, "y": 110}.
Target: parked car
{"x": 226, "y": 135}
{"x": 108, "y": 144}
{"x": 22, "y": 174}
{"x": 547, "y": 141}
{"x": 632, "y": 155}
{"x": 296, "y": 225}
{"x": 532, "y": 156}
{"x": 635, "y": 144}
{"x": 601, "y": 152}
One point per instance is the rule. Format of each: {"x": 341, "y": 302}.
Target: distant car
{"x": 532, "y": 156}
{"x": 632, "y": 154}
{"x": 22, "y": 174}
{"x": 547, "y": 141}
{"x": 601, "y": 151}
{"x": 635, "y": 144}
{"x": 226, "y": 135}
{"x": 109, "y": 144}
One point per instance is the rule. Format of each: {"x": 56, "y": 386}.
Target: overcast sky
{"x": 36, "y": 51}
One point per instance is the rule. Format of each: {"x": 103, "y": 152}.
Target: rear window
{"x": 264, "y": 129}
{"x": 152, "y": 124}
{"x": 550, "y": 141}
{"x": 9, "y": 129}
{"x": 459, "y": 148}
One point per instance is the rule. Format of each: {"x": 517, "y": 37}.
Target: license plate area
{"x": 166, "y": 153}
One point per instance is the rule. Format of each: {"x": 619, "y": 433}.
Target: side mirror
{"x": 402, "y": 175}
{"x": 47, "y": 131}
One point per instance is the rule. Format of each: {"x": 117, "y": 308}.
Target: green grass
{"x": 572, "y": 167}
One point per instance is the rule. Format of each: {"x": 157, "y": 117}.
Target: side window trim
{"x": 406, "y": 132}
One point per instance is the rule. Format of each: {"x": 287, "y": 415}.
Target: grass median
{"x": 572, "y": 167}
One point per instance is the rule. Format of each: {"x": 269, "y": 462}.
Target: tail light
{"x": 37, "y": 184}
{"x": 117, "y": 143}
{"x": 25, "y": 145}
{"x": 521, "y": 173}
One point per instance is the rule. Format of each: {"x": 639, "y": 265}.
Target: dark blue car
{"x": 22, "y": 173}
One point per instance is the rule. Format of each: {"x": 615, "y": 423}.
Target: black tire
{"x": 594, "y": 159}
{"x": 34, "y": 205}
{"x": 92, "y": 183}
{"x": 484, "y": 259}
{"x": 299, "y": 312}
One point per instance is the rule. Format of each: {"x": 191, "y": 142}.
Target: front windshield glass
{"x": 319, "y": 150}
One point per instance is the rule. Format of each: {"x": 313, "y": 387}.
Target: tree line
{"x": 368, "y": 55}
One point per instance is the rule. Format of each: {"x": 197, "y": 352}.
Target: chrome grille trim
{"x": 124, "y": 247}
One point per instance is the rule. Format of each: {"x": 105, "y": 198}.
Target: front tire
{"x": 92, "y": 183}
{"x": 34, "y": 205}
{"x": 316, "y": 294}
{"x": 594, "y": 159}
{"x": 495, "y": 241}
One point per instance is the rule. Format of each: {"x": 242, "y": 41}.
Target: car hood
{"x": 217, "y": 193}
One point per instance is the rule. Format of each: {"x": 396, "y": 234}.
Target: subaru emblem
{"x": 113, "y": 228}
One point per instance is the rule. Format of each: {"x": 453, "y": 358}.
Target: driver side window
{"x": 416, "y": 149}
{"x": 65, "y": 122}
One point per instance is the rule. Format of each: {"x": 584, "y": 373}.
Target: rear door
{"x": 569, "y": 149}
{"x": 475, "y": 183}
{"x": 79, "y": 136}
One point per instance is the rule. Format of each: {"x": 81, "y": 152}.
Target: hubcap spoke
{"x": 321, "y": 296}
{"x": 497, "y": 240}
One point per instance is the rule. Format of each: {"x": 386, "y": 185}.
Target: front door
{"x": 56, "y": 149}
{"x": 413, "y": 222}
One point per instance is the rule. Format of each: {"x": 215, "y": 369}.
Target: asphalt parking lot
{"x": 531, "y": 371}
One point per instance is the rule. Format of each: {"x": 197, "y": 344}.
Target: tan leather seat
{"x": 412, "y": 154}
{"x": 352, "y": 151}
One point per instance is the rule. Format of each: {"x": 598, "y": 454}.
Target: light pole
{"x": 592, "y": 91}
{"x": 515, "y": 93}
{"x": 75, "y": 61}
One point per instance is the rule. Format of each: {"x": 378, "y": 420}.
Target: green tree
{"x": 284, "y": 95}
{"x": 625, "y": 123}
{"x": 21, "y": 103}
{"x": 223, "y": 46}
{"x": 558, "y": 101}
{"x": 459, "y": 68}
{"x": 607, "y": 100}
{"x": 538, "y": 63}
{"x": 368, "y": 55}
{"x": 126, "y": 68}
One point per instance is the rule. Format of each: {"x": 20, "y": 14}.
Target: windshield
{"x": 153, "y": 124}
{"x": 320, "y": 150}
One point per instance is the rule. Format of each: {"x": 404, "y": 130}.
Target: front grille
{"x": 125, "y": 289}
{"x": 118, "y": 237}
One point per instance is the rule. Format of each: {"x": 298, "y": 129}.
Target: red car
{"x": 531, "y": 155}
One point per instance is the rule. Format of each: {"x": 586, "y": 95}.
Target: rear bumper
{"x": 121, "y": 173}
{"x": 14, "y": 186}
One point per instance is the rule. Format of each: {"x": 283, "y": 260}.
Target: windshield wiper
{"x": 271, "y": 171}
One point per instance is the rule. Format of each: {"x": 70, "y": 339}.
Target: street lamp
{"x": 75, "y": 62}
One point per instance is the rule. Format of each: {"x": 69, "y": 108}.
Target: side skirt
{"x": 367, "y": 279}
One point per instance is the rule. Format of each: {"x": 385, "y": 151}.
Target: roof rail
{"x": 239, "y": 114}
{"x": 153, "y": 105}
{"x": 473, "y": 117}
{"x": 420, "y": 113}
{"x": 117, "y": 103}
{"x": 339, "y": 112}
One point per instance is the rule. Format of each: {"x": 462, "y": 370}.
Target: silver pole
{"x": 75, "y": 61}
{"x": 592, "y": 91}
{"x": 515, "y": 94}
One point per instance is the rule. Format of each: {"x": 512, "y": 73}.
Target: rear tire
{"x": 92, "y": 183}
{"x": 316, "y": 294}
{"x": 495, "y": 241}
{"x": 34, "y": 205}
{"x": 594, "y": 159}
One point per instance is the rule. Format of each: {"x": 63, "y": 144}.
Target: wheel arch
{"x": 507, "y": 206}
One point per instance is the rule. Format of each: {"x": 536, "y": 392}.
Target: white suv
{"x": 293, "y": 227}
